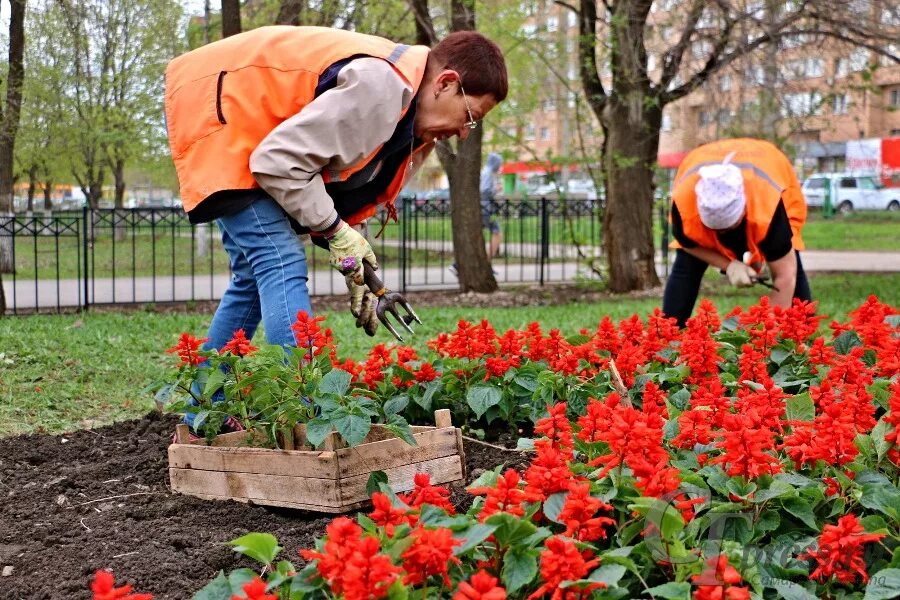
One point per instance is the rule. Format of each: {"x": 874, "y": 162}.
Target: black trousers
{"x": 683, "y": 285}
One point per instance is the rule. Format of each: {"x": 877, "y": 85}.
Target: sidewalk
{"x": 50, "y": 293}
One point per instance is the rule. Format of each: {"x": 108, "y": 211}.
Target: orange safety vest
{"x": 224, "y": 98}
{"x": 768, "y": 179}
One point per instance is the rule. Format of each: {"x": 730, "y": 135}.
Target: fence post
{"x": 404, "y": 241}
{"x": 545, "y": 236}
{"x": 87, "y": 230}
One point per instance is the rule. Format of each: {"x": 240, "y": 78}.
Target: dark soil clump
{"x": 74, "y": 503}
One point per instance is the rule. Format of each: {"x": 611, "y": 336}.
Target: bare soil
{"x": 99, "y": 498}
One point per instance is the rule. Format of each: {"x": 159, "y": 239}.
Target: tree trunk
{"x": 9, "y": 114}
{"x": 463, "y": 168}
{"x": 32, "y": 186}
{"x": 231, "y": 17}
{"x": 118, "y": 220}
{"x": 290, "y": 12}
{"x": 628, "y": 219}
{"x": 48, "y": 201}
{"x": 206, "y": 18}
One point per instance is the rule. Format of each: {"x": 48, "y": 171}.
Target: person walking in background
{"x": 488, "y": 189}
{"x": 736, "y": 205}
{"x": 286, "y": 130}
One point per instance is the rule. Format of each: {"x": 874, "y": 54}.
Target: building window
{"x": 545, "y": 133}
{"x": 841, "y": 67}
{"x": 666, "y": 122}
{"x": 552, "y": 24}
{"x": 839, "y": 104}
{"x": 723, "y": 116}
{"x": 725, "y": 83}
{"x": 895, "y": 97}
{"x": 549, "y": 105}
{"x": 529, "y": 132}
{"x": 572, "y": 18}
{"x": 859, "y": 59}
{"x": 703, "y": 118}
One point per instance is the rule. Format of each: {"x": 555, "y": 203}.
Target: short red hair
{"x": 478, "y": 61}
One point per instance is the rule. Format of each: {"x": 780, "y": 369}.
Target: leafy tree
{"x": 629, "y": 102}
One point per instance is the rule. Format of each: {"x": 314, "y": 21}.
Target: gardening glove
{"x": 348, "y": 248}
{"x": 362, "y": 306}
{"x": 740, "y": 274}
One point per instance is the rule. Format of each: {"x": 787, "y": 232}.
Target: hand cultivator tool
{"x": 388, "y": 301}
{"x": 762, "y": 280}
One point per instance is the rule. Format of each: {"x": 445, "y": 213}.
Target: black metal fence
{"x": 76, "y": 259}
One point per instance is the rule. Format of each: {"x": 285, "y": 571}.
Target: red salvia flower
{"x": 561, "y": 561}
{"x": 387, "y": 515}
{"x": 578, "y": 512}
{"x": 186, "y": 349}
{"x": 556, "y": 427}
{"x": 481, "y": 586}
{"x": 255, "y": 590}
{"x": 548, "y": 473}
{"x": 426, "y": 373}
{"x": 892, "y": 419}
{"x": 431, "y": 553}
{"x": 746, "y": 448}
{"x": 840, "y": 551}
{"x": 239, "y": 345}
{"x": 505, "y": 496}
{"x": 425, "y": 493}
{"x": 799, "y": 322}
{"x": 104, "y": 588}
{"x": 719, "y": 581}
{"x": 368, "y": 575}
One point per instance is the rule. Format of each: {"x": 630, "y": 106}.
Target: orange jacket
{"x": 768, "y": 179}
{"x": 223, "y": 99}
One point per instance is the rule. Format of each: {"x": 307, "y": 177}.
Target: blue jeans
{"x": 269, "y": 275}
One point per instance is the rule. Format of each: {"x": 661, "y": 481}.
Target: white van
{"x": 850, "y": 192}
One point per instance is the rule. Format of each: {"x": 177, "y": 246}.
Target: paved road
{"x": 28, "y": 294}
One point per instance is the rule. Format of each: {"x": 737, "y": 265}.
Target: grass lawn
{"x": 63, "y": 372}
{"x": 868, "y": 230}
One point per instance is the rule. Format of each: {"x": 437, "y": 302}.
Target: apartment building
{"x": 810, "y": 93}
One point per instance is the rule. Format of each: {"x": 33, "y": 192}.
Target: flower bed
{"x": 748, "y": 458}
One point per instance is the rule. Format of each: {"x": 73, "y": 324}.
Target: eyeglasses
{"x": 471, "y": 123}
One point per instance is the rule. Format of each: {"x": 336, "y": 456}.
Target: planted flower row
{"x": 748, "y": 458}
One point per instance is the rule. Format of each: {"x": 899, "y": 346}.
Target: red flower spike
{"x": 719, "y": 582}
{"x": 557, "y": 428}
{"x": 481, "y": 586}
{"x": 187, "y": 348}
{"x": 431, "y": 553}
{"x": 840, "y": 551}
{"x": 387, "y": 515}
{"x": 239, "y": 345}
{"x": 561, "y": 561}
{"x": 103, "y": 588}
{"x": 425, "y": 493}
{"x": 505, "y": 496}
{"x": 255, "y": 590}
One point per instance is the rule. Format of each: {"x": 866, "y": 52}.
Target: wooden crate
{"x": 332, "y": 480}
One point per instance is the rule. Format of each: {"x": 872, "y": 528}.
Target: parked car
{"x": 850, "y": 192}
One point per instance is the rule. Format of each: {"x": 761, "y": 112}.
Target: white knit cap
{"x": 720, "y": 195}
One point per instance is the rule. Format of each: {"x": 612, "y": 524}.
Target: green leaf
{"x": 223, "y": 588}
{"x": 554, "y": 505}
{"x": 398, "y": 591}
{"x": 672, "y": 591}
{"x": 396, "y": 405}
{"x": 215, "y": 381}
{"x": 801, "y": 509}
{"x": 317, "y": 430}
{"x": 881, "y": 445}
{"x": 336, "y": 381}
{"x": 376, "y": 478}
{"x": 472, "y": 537}
{"x": 353, "y": 428}
{"x": 519, "y": 568}
{"x": 883, "y": 498}
{"x": 739, "y": 488}
{"x": 790, "y": 590}
{"x": 776, "y": 489}
{"x": 425, "y": 400}
{"x": 261, "y": 547}
{"x": 399, "y": 427}
{"x": 884, "y": 584}
{"x": 481, "y": 397}
{"x": 608, "y": 574}
{"x": 846, "y": 342}
{"x": 511, "y": 529}
{"x": 800, "y": 408}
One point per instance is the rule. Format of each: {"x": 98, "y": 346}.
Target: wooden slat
{"x": 182, "y": 433}
{"x": 461, "y": 450}
{"x": 285, "y": 504}
{"x": 297, "y": 463}
{"x": 442, "y": 470}
{"x": 261, "y": 489}
{"x": 379, "y": 456}
{"x": 442, "y": 418}
{"x": 234, "y": 439}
